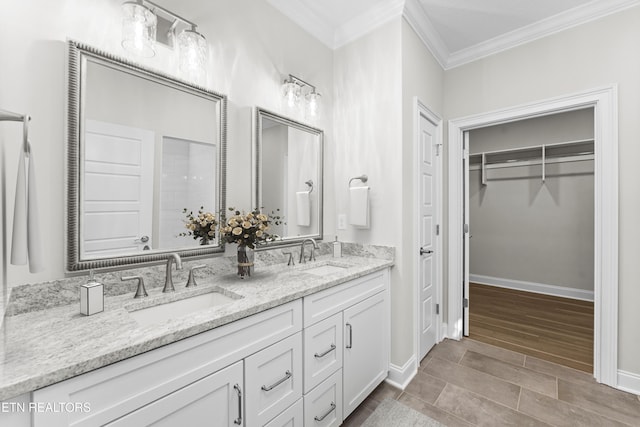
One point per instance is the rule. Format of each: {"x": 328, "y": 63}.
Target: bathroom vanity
{"x": 305, "y": 343}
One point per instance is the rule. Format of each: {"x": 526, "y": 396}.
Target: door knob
{"x": 425, "y": 251}
{"x": 143, "y": 239}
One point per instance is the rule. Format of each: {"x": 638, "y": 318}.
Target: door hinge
{"x": 438, "y": 149}
{"x": 465, "y": 228}
{"x": 466, "y": 303}
{"x": 437, "y": 308}
{"x": 437, "y": 229}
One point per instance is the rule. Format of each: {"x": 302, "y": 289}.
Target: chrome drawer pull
{"x": 238, "y": 421}
{"x": 287, "y": 375}
{"x": 350, "y": 336}
{"x": 318, "y": 356}
{"x": 333, "y": 407}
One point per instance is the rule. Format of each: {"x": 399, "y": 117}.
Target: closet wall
{"x": 527, "y": 233}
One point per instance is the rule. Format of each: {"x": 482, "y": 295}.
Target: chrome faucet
{"x": 312, "y": 255}
{"x": 168, "y": 282}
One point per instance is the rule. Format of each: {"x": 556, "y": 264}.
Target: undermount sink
{"x": 326, "y": 269}
{"x": 163, "y": 312}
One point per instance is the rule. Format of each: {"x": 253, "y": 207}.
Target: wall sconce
{"x": 292, "y": 90}
{"x": 144, "y": 23}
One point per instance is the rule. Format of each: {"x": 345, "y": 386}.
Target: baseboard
{"x": 538, "y": 288}
{"x": 401, "y": 376}
{"x": 629, "y": 382}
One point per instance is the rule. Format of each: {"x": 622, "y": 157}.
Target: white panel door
{"x": 465, "y": 236}
{"x": 215, "y": 400}
{"x": 117, "y": 205}
{"x": 427, "y": 232}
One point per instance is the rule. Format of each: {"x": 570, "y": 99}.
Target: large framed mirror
{"x": 142, "y": 147}
{"x": 288, "y": 157}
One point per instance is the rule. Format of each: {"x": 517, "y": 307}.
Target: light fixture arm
{"x": 300, "y": 82}
{"x": 171, "y": 14}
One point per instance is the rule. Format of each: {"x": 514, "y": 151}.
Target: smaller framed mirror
{"x": 288, "y": 157}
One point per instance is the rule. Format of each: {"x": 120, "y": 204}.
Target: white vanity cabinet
{"x": 204, "y": 366}
{"x": 353, "y": 316}
{"x": 308, "y": 362}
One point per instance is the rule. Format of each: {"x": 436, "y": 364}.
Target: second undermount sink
{"x": 161, "y": 313}
{"x": 326, "y": 268}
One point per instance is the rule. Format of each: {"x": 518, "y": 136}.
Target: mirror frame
{"x": 261, "y": 113}
{"x": 78, "y": 54}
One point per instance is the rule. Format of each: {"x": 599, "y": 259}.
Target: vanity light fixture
{"x": 292, "y": 90}
{"x": 139, "y": 26}
{"x": 145, "y": 23}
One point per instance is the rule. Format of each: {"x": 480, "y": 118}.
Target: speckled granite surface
{"x": 46, "y": 339}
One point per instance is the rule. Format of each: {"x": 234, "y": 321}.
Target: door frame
{"x": 604, "y": 101}
{"x": 420, "y": 109}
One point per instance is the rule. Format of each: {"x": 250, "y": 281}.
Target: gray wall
{"x": 527, "y": 230}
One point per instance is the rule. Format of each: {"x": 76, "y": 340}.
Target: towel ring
{"x": 362, "y": 178}
{"x": 310, "y": 184}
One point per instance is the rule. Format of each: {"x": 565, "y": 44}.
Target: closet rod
{"x": 534, "y": 147}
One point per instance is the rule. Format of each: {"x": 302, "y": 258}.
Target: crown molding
{"x": 554, "y": 24}
{"x": 370, "y": 20}
{"x": 417, "y": 18}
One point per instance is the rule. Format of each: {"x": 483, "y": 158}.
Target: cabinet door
{"x": 322, "y": 350}
{"x": 215, "y": 400}
{"x": 366, "y": 349}
{"x": 273, "y": 379}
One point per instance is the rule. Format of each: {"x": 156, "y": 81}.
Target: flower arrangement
{"x": 201, "y": 226}
{"x": 249, "y": 229}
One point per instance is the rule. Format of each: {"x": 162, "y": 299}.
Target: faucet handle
{"x": 141, "y": 291}
{"x": 192, "y": 279}
{"x": 291, "y": 261}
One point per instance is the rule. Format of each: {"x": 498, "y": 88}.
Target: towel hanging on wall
{"x": 303, "y": 212}
{"x": 26, "y": 238}
{"x": 359, "y": 206}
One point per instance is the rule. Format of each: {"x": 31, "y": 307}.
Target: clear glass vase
{"x": 245, "y": 261}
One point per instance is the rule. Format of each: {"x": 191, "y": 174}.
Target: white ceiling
{"x": 456, "y": 31}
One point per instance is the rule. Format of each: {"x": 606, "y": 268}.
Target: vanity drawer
{"x": 273, "y": 380}
{"x": 325, "y": 303}
{"x": 323, "y": 405}
{"x": 322, "y": 350}
{"x": 293, "y": 416}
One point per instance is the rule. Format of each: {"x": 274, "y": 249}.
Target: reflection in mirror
{"x": 289, "y": 174}
{"x": 142, "y": 147}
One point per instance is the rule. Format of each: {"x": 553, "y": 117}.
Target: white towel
{"x": 303, "y": 205}
{"x": 26, "y": 239}
{"x": 359, "y": 207}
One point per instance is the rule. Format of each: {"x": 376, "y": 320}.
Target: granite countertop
{"x": 46, "y": 346}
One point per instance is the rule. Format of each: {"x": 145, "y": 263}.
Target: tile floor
{"x": 469, "y": 383}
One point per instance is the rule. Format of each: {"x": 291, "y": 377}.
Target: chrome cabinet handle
{"x": 323, "y": 354}
{"x": 287, "y": 375}
{"x": 350, "y": 335}
{"x": 238, "y": 421}
{"x": 333, "y": 407}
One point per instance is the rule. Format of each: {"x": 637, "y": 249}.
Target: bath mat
{"x": 391, "y": 413}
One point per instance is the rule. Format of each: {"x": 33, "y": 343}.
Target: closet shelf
{"x": 562, "y": 152}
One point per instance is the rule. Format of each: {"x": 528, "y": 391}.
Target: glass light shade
{"x": 313, "y": 104}
{"x": 193, "y": 52}
{"x": 291, "y": 93}
{"x": 139, "y": 26}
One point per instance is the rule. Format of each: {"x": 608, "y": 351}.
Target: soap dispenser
{"x": 91, "y": 296}
{"x": 337, "y": 248}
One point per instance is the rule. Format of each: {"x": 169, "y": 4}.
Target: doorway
{"x": 531, "y": 249}
{"x": 604, "y": 102}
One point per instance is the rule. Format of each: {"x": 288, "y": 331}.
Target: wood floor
{"x": 469, "y": 383}
{"x": 555, "y": 329}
